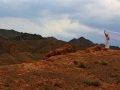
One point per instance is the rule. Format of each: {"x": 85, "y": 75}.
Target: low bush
{"x": 92, "y": 83}
{"x": 46, "y": 87}
{"x": 104, "y": 63}
{"x": 58, "y": 85}
{"x": 80, "y": 64}
{"x": 75, "y": 62}
{"x": 101, "y": 63}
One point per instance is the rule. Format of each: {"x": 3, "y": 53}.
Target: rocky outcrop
{"x": 95, "y": 48}
{"x": 66, "y": 49}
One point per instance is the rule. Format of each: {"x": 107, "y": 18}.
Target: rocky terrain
{"x": 33, "y": 62}
{"x": 18, "y": 47}
{"x": 98, "y": 69}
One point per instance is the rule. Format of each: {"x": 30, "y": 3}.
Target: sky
{"x": 63, "y": 19}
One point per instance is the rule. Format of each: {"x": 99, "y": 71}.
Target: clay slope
{"x": 93, "y": 70}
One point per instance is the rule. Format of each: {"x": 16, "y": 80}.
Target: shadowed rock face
{"x": 66, "y": 49}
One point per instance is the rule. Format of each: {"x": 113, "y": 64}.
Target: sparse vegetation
{"x": 74, "y": 55}
{"x": 80, "y": 64}
{"x": 118, "y": 81}
{"x": 75, "y": 62}
{"x": 36, "y": 73}
{"x": 58, "y": 85}
{"x": 104, "y": 63}
{"x": 6, "y": 87}
{"x": 46, "y": 87}
{"x": 34, "y": 56}
{"x": 92, "y": 83}
{"x": 95, "y": 69}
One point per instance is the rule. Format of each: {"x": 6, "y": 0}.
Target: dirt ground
{"x": 99, "y": 70}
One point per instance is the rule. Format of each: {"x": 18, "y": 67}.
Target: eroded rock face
{"x": 66, "y": 49}
{"x": 95, "y": 48}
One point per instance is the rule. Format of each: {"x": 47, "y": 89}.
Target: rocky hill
{"x": 56, "y": 65}
{"x": 27, "y": 36}
{"x": 8, "y": 33}
{"x": 97, "y": 69}
{"x": 81, "y": 43}
{"x": 16, "y": 47}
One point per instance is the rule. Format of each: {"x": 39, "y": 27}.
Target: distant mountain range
{"x": 80, "y": 43}
{"x": 37, "y": 41}
{"x": 25, "y": 42}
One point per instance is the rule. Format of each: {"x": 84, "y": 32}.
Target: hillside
{"x": 56, "y": 65}
{"x": 27, "y": 36}
{"x": 8, "y": 33}
{"x": 13, "y": 52}
{"x": 81, "y": 43}
{"x": 17, "y": 48}
{"x": 97, "y": 69}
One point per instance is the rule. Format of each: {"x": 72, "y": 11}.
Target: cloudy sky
{"x": 63, "y": 19}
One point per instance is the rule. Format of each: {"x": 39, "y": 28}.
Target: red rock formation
{"x": 66, "y": 49}
{"x": 95, "y": 48}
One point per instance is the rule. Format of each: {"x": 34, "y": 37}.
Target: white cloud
{"x": 20, "y": 24}
{"x": 60, "y": 18}
{"x": 102, "y": 9}
{"x": 63, "y": 27}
